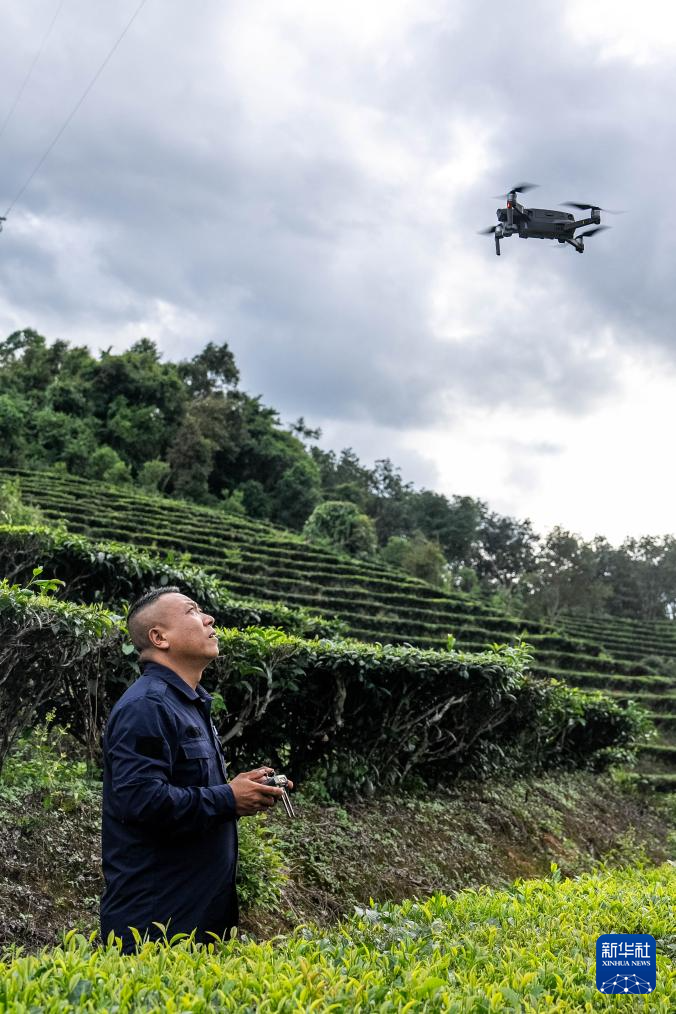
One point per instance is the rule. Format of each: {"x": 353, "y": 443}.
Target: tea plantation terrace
{"x": 627, "y": 659}
{"x": 623, "y": 635}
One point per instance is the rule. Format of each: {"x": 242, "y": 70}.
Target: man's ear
{"x": 157, "y": 638}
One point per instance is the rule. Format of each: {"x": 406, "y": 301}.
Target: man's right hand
{"x": 251, "y": 796}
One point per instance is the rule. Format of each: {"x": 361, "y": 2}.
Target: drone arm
{"x": 593, "y": 219}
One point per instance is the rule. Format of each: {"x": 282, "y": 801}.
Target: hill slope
{"x": 627, "y": 659}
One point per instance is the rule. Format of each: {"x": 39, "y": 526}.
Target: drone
{"x": 540, "y": 223}
{"x": 2, "y": 219}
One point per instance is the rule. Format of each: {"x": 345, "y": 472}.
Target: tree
{"x": 190, "y": 459}
{"x": 249, "y": 445}
{"x": 107, "y": 465}
{"x": 344, "y": 477}
{"x": 28, "y": 363}
{"x": 257, "y": 503}
{"x": 301, "y": 430}
{"x": 210, "y": 371}
{"x": 454, "y": 524}
{"x": 418, "y": 556}
{"x": 14, "y": 414}
{"x": 233, "y": 503}
{"x": 187, "y": 429}
{"x": 506, "y": 551}
{"x": 642, "y": 577}
{"x": 154, "y": 475}
{"x": 135, "y": 431}
{"x": 566, "y": 576}
{"x": 342, "y": 526}
{"x": 389, "y": 501}
{"x": 59, "y": 437}
{"x": 296, "y": 494}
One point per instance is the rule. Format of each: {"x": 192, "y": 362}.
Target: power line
{"x": 28, "y": 76}
{"x": 75, "y": 108}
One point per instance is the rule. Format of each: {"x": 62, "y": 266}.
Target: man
{"x": 169, "y": 830}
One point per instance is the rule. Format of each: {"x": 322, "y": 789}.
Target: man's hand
{"x": 251, "y": 796}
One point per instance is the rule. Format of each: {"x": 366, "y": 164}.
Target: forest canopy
{"x": 188, "y": 430}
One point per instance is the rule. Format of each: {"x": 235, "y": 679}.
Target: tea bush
{"x": 371, "y": 715}
{"x": 112, "y": 573}
{"x": 525, "y": 949}
{"x": 355, "y": 715}
{"x": 261, "y": 873}
{"x": 51, "y": 651}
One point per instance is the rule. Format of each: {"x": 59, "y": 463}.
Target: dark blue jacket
{"x": 169, "y": 834}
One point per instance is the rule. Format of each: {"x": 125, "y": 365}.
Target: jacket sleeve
{"x": 140, "y": 747}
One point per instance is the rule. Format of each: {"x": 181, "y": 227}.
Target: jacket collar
{"x": 174, "y": 680}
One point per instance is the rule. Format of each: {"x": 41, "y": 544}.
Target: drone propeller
{"x": 520, "y": 188}
{"x": 590, "y": 207}
{"x": 592, "y": 232}
{"x": 487, "y": 232}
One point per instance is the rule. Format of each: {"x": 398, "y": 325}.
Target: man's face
{"x": 183, "y": 630}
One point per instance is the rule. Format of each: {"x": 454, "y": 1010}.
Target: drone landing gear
{"x": 498, "y": 236}
{"x": 577, "y": 243}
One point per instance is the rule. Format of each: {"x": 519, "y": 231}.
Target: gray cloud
{"x": 280, "y": 185}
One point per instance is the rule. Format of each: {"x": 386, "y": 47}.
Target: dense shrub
{"x": 357, "y": 716}
{"x": 528, "y": 948}
{"x": 417, "y": 556}
{"x": 367, "y": 715}
{"x": 52, "y": 652}
{"x": 112, "y": 573}
{"x": 153, "y": 475}
{"x": 13, "y": 510}
{"x": 261, "y": 873}
{"x": 341, "y": 525}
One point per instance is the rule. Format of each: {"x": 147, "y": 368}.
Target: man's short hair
{"x": 138, "y": 630}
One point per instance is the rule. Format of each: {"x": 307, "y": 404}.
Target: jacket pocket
{"x": 193, "y": 761}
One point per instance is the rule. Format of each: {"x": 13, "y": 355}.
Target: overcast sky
{"x": 305, "y": 180}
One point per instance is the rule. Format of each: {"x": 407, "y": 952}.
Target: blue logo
{"x": 626, "y": 963}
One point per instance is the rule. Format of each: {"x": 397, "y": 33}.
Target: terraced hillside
{"x": 652, "y": 645}
{"x": 627, "y": 637}
{"x": 625, "y": 658}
